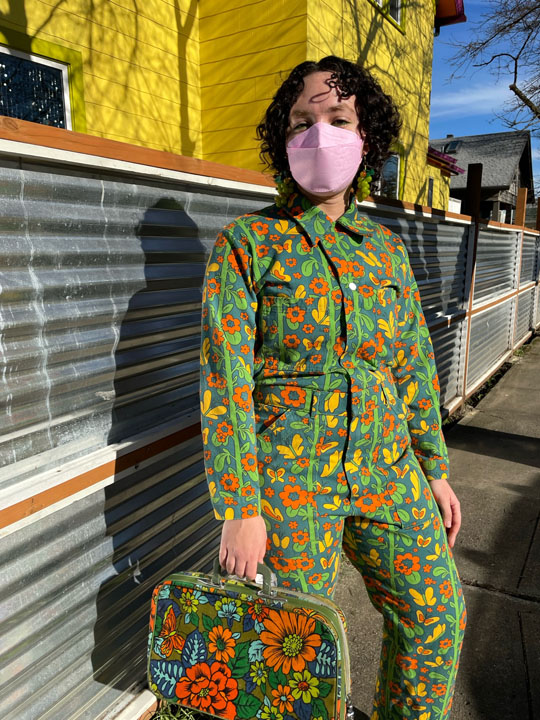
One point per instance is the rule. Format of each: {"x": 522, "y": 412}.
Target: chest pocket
{"x": 295, "y": 330}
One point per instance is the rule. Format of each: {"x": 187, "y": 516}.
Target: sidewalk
{"x": 495, "y": 472}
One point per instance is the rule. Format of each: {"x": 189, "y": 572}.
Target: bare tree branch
{"x": 507, "y": 40}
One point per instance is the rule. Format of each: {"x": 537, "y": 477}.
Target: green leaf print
{"x": 324, "y": 689}
{"x": 247, "y": 705}
{"x": 240, "y": 663}
{"x": 208, "y": 622}
{"x": 219, "y": 461}
{"x": 318, "y": 709}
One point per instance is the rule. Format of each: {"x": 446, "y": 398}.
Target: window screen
{"x": 32, "y": 90}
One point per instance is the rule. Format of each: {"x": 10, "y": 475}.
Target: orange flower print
{"x": 258, "y": 610}
{"x": 295, "y": 314}
{"x": 294, "y": 396}
{"x": 446, "y": 589}
{"x": 249, "y": 511}
{"x": 290, "y": 640}
{"x": 242, "y": 396}
{"x": 210, "y": 689}
{"x": 238, "y": 260}
{"x": 230, "y": 324}
{"x": 294, "y": 496}
{"x": 221, "y": 642}
{"x": 229, "y": 482}
{"x": 249, "y": 462}
{"x": 407, "y": 563}
{"x": 172, "y": 641}
{"x": 283, "y": 699}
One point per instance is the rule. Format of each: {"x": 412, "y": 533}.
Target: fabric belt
{"x": 332, "y": 402}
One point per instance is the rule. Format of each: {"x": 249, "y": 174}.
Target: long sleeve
{"x": 416, "y": 375}
{"x": 229, "y": 306}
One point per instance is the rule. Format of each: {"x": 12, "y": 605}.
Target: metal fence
{"x": 102, "y": 488}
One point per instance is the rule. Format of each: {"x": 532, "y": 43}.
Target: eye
{"x": 300, "y": 126}
{"x": 341, "y": 121}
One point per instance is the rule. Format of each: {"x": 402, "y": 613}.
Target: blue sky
{"x": 467, "y": 105}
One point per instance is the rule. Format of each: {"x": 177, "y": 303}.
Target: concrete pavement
{"x": 495, "y": 472}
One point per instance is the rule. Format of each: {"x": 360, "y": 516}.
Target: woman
{"x": 319, "y": 391}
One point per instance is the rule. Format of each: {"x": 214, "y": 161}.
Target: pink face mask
{"x": 324, "y": 158}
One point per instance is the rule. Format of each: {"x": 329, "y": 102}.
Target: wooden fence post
{"x": 521, "y": 206}
{"x": 474, "y": 190}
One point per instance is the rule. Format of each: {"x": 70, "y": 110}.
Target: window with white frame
{"x": 392, "y": 7}
{"x": 34, "y": 88}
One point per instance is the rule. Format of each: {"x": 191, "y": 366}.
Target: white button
{"x": 352, "y": 286}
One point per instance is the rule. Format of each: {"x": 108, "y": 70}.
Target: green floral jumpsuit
{"x": 320, "y": 411}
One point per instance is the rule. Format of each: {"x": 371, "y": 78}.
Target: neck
{"x": 334, "y": 206}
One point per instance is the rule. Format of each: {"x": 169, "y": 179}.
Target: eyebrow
{"x": 334, "y": 108}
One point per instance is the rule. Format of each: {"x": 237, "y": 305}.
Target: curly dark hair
{"x": 377, "y": 113}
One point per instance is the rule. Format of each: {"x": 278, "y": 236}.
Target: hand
{"x": 243, "y": 545}
{"x": 450, "y": 508}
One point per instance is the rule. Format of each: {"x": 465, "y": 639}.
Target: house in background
{"x": 194, "y": 77}
{"x": 506, "y": 158}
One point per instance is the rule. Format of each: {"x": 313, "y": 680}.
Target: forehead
{"x": 318, "y": 96}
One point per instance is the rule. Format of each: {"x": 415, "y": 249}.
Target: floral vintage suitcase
{"x": 231, "y": 649}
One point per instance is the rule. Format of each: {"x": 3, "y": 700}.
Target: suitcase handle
{"x": 262, "y": 569}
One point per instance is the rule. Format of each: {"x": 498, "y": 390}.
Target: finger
{"x": 251, "y": 570}
{"x": 240, "y": 569}
{"x": 446, "y": 512}
{"x": 456, "y": 524}
{"x": 222, "y": 553}
{"x": 230, "y": 565}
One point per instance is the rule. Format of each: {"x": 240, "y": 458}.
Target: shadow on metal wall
{"x": 157, "y": 512}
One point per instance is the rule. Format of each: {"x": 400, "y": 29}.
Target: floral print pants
{"x": 411, "y": 579}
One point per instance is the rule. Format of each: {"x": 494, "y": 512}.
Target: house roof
{"x": 499, "y": 153}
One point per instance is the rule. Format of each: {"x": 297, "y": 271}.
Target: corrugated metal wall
{"x": 438, "y": 251}
{"x": 100, "y": 303}
{"x": 100, "y": 308}
{"x": 496, "y": 258}
{"x": 491, "y": 338}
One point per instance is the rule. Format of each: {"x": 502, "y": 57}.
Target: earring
{"x": 364, "y": 184}
{"x": 285, "y": 188}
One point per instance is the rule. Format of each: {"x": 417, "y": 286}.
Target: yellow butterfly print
{"x": 276, "y": 475}
{"x": 294, "y": 450}
{"x": 436, "y": 633}
{"x": 320, "y": 315}
{"x": 333, "y": 462}
{"x": 209, "y": 412}
{"x": 389, "y": 327}
{"x": 316, "y": 345}
{"x": 279, "y": 272}
{"x": 354, "y": 464}
{"x": 425, "y": 620}
{"x": 428, "y": 598}
{"x": 274, "y": 513}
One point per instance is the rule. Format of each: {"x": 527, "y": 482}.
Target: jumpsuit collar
{"x": 315, "y": 221}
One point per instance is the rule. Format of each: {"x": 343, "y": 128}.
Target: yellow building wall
{"x": 246, "y": 47}
{"x": 246, "y": 50}
{"x": 195, "y": 78}
{"x": 399, "y": 57}
{"x": 138, "y": 76}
